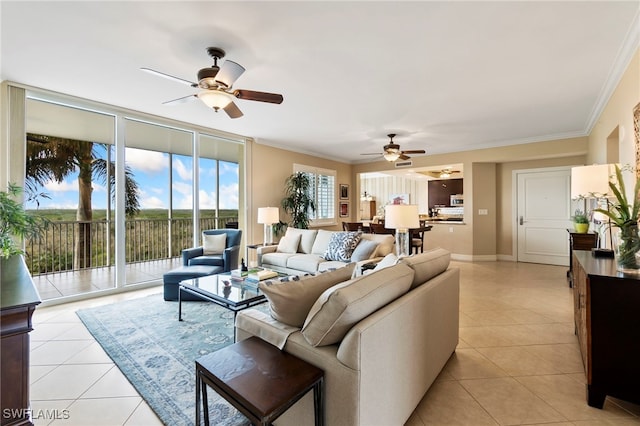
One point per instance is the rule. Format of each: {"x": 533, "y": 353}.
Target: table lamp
{"x": 268, "y": 216}
{"x": 402, "y": 217}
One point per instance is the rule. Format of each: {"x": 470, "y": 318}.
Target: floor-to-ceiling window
{"x": 169, "y": 176}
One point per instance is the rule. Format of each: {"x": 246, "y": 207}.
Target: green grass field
{"x": 67, "y": 215}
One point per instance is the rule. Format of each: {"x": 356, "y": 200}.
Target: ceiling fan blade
{"x": 233, "y": 111}
{"x": 403, "y": 157}
{"x": 170, "y": 77}
{"x": 372, "y": 153}
{"x": 415, "y": 151}
{"x": 251, "y": 95}
{"x": 229, "y": 73}
{"x": 181, "y": 100}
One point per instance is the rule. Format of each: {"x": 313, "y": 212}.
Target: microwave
{"x": 457, "y": 200}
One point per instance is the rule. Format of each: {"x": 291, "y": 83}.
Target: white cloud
{"x": 207, "y": 200}
{"x": 64, "y": 186}
{"x": 230, "y": 168}
{"x": 152, "y": 203}
{"x": 146, "y": 161}
{"x": 182, "y": 170}
{"x": 182, "y": 188}
{"x": 229, "y": 196}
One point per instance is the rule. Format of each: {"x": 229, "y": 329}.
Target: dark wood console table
{"x": 578, "y": 241}
{"x": 606, "y": 304}
{"x": 18, "y": 301}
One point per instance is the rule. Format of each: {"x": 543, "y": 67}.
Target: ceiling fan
{"x": 216, "y": 83}
{"x": 391, "y": 151}
{"x": 444, "y": 173}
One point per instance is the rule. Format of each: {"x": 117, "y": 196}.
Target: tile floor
{"x": 517, "y": 362}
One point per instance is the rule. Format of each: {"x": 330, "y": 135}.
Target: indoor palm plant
{"x": 624, "y": 216}
{"x": 16, "y": 222}
{"x": 298, "y": 201}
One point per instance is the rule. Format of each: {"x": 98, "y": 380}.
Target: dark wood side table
{"x": 18, "y": 301}
{"x": 578, "y": 241}
{"x": 608, "y": 327}
{"x": 260, "y": 380}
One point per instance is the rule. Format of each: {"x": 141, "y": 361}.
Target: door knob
{"x": 521, "y": 220}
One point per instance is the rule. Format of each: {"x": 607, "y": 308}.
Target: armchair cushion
{"x": 213, "y": 244}
{"x": 210, "y": 260}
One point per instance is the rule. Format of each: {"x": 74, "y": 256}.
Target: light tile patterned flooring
{"x": 517, "y": 362}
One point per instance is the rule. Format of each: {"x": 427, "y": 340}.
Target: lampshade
{"x": 391, "y": 155}
{"x": 401, "y": 216}
{"x": 268, "y": 215}
{"x": 215, "y": 99}
{"x": 590, "y": 181}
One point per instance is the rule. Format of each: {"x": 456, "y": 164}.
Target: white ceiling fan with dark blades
{"x": 392, "y": 152}
{"x": 216, "y": 83}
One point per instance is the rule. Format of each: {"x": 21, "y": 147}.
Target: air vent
{"x": 404, "y": 164}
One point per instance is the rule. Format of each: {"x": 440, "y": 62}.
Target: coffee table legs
{"x": 179, "y": 302}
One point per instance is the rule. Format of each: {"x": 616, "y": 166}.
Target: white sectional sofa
{"x": 381, "y": 338}
{"x": 305, "y": 250}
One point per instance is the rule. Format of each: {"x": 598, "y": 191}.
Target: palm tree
{"x": 51, "y": 158}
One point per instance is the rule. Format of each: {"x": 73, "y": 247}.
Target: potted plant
{"x": 580, "y": 222}
{"x": 298, "y": 201}
{"x": 15, "y": 222}
{"x": 624, "y": 216}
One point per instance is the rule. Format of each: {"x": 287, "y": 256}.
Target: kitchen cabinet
{"x": 367, "y": 209}
{"x": 441, "y": 190}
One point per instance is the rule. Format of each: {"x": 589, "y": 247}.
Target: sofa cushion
{"x": 289, "y": 243}
{"x": 322, "y": 241}
{"x": 213, "y": 244}
{"x": 342, "y": 306}
{"x": 276, "y": 259}
{"x": 385, "y": 242}
{"x": 364, "y": 250}
{"x": 307, "y": 237}
{"x": 341, "y": 246}
{"x": 305, "y": 262}
{"x": 290, "y": 300}
{"x": 427, "y": 265}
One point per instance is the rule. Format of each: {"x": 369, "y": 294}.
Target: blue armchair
{"x": 227, "y": 259}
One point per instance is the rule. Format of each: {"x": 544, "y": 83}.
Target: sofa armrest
{"x": 190, "y": 253}
{"x": 252, "y": 322}
{"x": 264, "y": 250}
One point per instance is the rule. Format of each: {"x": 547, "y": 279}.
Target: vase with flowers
{"x": 624, "y": 216}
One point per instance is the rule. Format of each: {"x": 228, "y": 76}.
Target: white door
{"x": 543, "y": 216}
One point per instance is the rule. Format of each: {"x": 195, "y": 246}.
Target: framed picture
{"x": 399, "y": 199}
{"x": 344, "y": 209}
{"x": 344, "y": 191}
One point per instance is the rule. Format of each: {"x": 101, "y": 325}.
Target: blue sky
{"x": 151, "y": 172}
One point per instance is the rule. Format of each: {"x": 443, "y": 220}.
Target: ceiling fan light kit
{"x": 391, "y": 151}
{"x": 216, "y": 82}
{"x": 215, "y": 99}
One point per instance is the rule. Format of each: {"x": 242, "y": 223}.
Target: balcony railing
{"x": 74, "y": 245}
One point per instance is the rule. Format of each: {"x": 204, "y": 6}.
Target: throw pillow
{"x": 427, "y": 265}
{"x": 213, "y": 244}
{"x": 389, "y": 260}
{"x": 291, "y": 298}
{"x": 289, "y": 243}
{"x": 342, "y": 306}
{"x": 363, "y": 250}
{"x": 341, "y": 246}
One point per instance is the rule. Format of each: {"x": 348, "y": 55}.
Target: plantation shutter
{"x": 323, "y": 192}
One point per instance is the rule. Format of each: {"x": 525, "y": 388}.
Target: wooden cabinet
{"x": 367, "y": 209}
{"x": 441, "y": 190}
{"x": 17, "y": 304}
{"x": 579, "y": 241}
{"x": 608, "y": 327}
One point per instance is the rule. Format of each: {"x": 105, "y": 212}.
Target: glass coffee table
{"x": 234, "y": 293}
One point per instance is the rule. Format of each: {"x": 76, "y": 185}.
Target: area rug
{"x": 156, "y": 352}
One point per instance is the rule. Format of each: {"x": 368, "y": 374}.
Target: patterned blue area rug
{"x": 156, "y": 352}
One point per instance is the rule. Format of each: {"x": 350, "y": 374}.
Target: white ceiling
{"x": 444, "y": 76}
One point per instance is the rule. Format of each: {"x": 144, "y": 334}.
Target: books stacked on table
{"x": 263, "y": 274}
